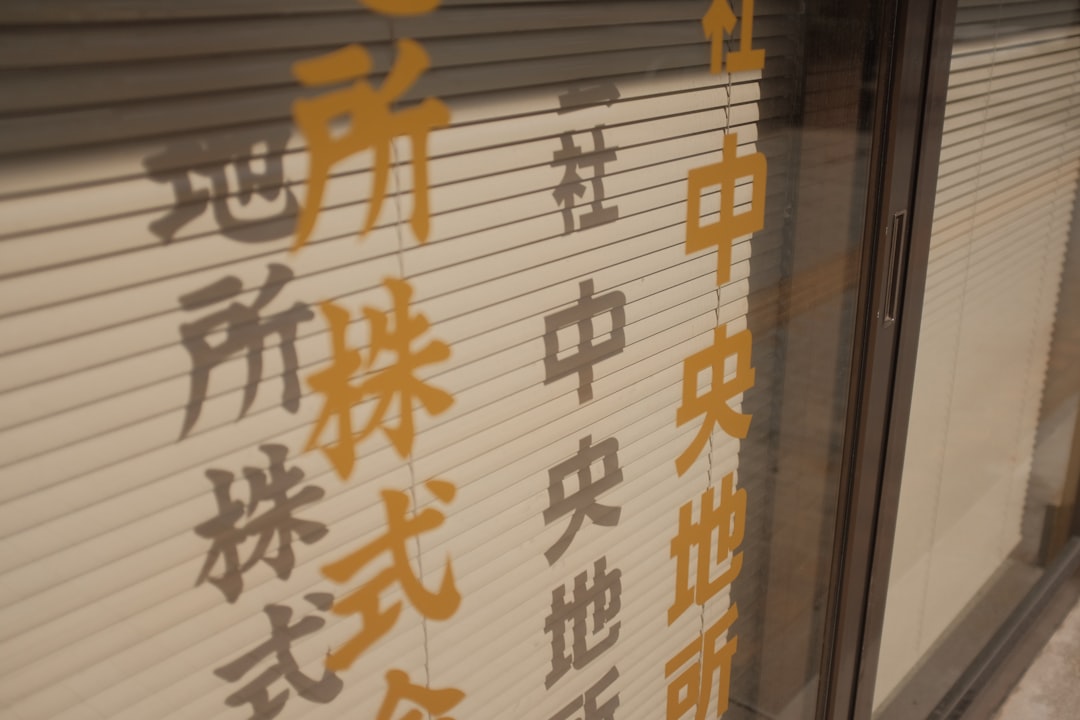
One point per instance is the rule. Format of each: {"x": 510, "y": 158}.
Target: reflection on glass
{"x": 993, "y": 410}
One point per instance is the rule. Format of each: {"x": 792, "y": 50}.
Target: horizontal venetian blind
{"x": 1007, "y": 181}
{"x": 149, "y": 152}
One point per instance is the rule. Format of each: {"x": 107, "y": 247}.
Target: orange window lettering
{"x": 371, "y": 125}
{"x": 366, "y": 601}
{"x": 712, "y": 654}
{"x": 714, "y": 403}
{"x": 719, "y": 21}
{"x": 721, "y": 233}
{"x": 434, "y": 703}
{"x": 389, "y": 333}
{"x": 727, "y": 521}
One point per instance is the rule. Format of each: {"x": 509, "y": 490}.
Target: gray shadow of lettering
{"x": 588, "y": 354}
{"x": 245, "y": 331}
{"x": 215, "y": 160}
{"x": 599, "y": 603}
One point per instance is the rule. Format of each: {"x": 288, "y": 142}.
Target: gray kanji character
{"x": 584, "y": 501}
{"x": 572, "y": 187}
{"x": 225, "y": 537}
{"x": 583, "y": 94}
{"x": 245, "y": 332}
{"x": 282, "y": 636}
{"x": 601, "y": 601}
{"x": 588, "y": 354}
{"x": 261, "y": 175}
{"x": 589, "y": 703}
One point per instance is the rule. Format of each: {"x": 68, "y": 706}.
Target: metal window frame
{"x": 908, "y": 125}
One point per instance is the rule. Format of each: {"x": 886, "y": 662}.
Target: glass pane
{"x": 365, "y": 351}
{"x": 994, "y": 406}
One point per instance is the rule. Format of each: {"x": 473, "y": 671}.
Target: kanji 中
{"x": 711, "y": 654}
{"x": 435, "y": 703}
{"x": 588, "y": 704}
{"x": 245, "y": 332}
{"x": 721, "y": 233}
{"x": 727, "y": 521}
{"x": 714, "y": 403}
{"x": 366, "y": 601}
{"x": 581, "y": 316}
{"x": 253, "y": 158}
{"x": 282, "y": 636}
{"x": 372, "y": 125}
{"x": 277, "y": 522}
{"x": 599, "y": 602}
{"x": 583, "y": 502}
{"x": 390, "y": 333}
{"x": 720, "y": 21}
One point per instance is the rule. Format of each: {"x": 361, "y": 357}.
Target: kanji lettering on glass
{"x": 372, "y": 125}
{"x": 572, "y": 187}
{"x": 588, "y": 706}
{"x": 402, "y": 8}
{"x": 727, "y": 522}
{"x": 278, "y": 522}
{"x": 434, "y": 703}
{"x": 711, "y": 655}
{"x": 714, "y": 403}
{"x": 580, "y": 316}
{"x": 282, "y": 635}
{"x": 239, "y": 168}
{"x": 245, "y": 332}
{"x": 719, "y": 21}
{"x": 722, "y": 233}
{"x": 367, "y": 600}
{"x": 599, "y": 602}
{"x": 393, "y": 333}
{"x": 583, "y": 502}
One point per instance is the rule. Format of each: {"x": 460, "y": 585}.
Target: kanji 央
{"x": 434, "y": 703}
{"x": 277, "y": 522}
{"x": 245, "y": 332}
{"x": 282, "y": 636}
{"x": 714, "y": 403}
{"x": 583, "y": 502}
{"x": 366, "y": 601}
{"x": 727, "y": 521}
{"x": 390, "y": 333}
{"x": 589, "y": 705}
{"x": 253, "y": 158}
{"x": 599, "y": 602}
{"x": 711, "y": 655}
{"x": 571, "y": 158}
{"x": 721, "y": 233}
{"x": 720, "y": 21}
{"x": 581, "y": 316}
{"x": 372, "y": 125}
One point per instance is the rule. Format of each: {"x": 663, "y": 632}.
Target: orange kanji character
{"x": 402, "y": 8}
{"x": 721, "y": 233}
{"x": 728, "y": 519}
{"x": 714, "y": 404}
{"x": 398, "y": 379}
{"x": 372, "y": 125}
{"x": 436, "y": 703}
{"x": 365, "y": 601}
{"x": 720, "y": 21}
{"x": 692, "y": 688}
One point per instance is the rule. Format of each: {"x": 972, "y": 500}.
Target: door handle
{"x": 896, "y": 243}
